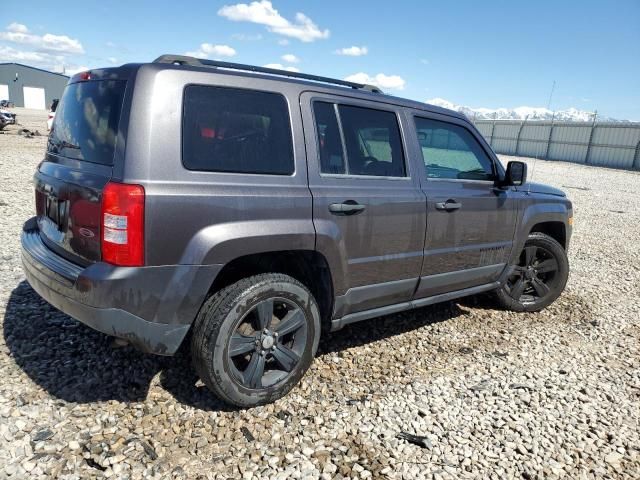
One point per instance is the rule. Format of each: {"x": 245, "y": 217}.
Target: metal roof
{"x": 34, "y": 68}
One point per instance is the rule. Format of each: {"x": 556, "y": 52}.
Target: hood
{"x": 534, "y": 187}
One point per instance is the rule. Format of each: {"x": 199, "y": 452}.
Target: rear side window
{"x": 237, "y": 131}
{"x": 372, "y": 140}
{"x": 329, "y": 143}
{"x": 450, "y": 151}
{"x": 86, "y": 122}
{"x": 372, "y": 143}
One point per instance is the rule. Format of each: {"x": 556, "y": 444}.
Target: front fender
{"x": 537, "y": 210}
{"x": 221, "y": 243}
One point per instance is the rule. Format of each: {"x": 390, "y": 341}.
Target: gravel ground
{"x": 496, "y": 394}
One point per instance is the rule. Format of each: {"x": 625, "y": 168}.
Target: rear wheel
{"x": 254, "y": 340}
{"x": 539, "y": 276}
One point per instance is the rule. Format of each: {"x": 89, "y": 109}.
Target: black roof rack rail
{"x": 199, "y": 62}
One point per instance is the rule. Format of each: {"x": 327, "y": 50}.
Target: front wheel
{"x": 253, "y": 341}
{"x": 539, "y": 276}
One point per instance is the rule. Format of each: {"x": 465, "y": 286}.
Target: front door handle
{"x": 448, "y": 206}
{"x": 349, "y": 207}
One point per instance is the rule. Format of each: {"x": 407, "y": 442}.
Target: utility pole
{"x": 553, "y": 87}
{"x": 519, "y": 133}
{"x": 593, "y": 128}
{"x": 546, "y": 153}
{"x": 493, "y": 128}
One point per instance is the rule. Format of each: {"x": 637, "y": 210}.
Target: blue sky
{"x": 482, "y": 54}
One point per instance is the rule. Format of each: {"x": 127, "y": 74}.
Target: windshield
{"x": 86, "y": 121}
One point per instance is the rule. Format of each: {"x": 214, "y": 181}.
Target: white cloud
{"x": 290, "y": 58}
{"x": 61, "y": 43}
{"x": 243, "y": 37}
{"x": 263, "y": 13}
{"x": 49, "y": 61}
{"x": 279, "y": 66}
{"x": 391, "y": 82}
{"x": 19, "y": 33}
{"x": 112, "y": 59}
{"x": 41, "y": 59}
{"x": 17, "y": 28}
{"x": 352, "y": 51}
{"x": 110, "y": 44}
{"x": 284, "y": 42}
{"x": 207, "y": 50}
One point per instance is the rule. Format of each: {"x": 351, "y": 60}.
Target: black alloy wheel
{"x": 539, "y": 276}
{"x": 254, "y": 340}
{"x": 267, "y": 343}
{"x": 535, "y": 275}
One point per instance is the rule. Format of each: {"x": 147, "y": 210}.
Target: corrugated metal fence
{"x": 607, "y": 144}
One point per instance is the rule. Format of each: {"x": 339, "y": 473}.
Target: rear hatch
{"x": 78, "y": 164}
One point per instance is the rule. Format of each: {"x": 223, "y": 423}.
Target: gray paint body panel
{"x": 152, "y": 307}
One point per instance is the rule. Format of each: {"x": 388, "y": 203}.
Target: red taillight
{"x": 82, "y": 76}
{"x": 123, "y": 224}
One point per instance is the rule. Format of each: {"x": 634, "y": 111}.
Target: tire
{"x": 230, "y": 343}
{"x": 538, "y": 278}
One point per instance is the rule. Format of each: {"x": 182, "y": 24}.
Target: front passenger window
{"x": 450, "y": 151}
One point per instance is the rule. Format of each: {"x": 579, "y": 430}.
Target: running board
{"x": 338, "y": 323}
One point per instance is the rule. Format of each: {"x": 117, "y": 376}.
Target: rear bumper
{"x": 151, "y": 307}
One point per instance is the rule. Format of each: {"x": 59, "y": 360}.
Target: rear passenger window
{"x": 372, "y": 140}
{"x": 329, "y": 143}
{"x": 451, "y": 151}
{"x": 236, "y": 130}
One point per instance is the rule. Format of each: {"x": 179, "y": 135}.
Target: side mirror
{"x": 516, "y": 174}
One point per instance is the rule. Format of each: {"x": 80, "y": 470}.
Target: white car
{"x": 52, "y": 113}
{"x": 8, "y": 117}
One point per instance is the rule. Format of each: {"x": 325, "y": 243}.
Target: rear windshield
{"x": 86, "y": 121}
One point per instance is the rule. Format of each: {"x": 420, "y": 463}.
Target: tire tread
{"x": 509, "y": 303}
{"x": 209, "y": 322}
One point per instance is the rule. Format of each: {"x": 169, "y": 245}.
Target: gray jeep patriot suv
{"x": 254, "y": 208}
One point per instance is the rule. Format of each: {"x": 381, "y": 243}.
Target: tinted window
{"x": 329, "y": 143}
{"x": 234, "y": 130}
{"x": 451, "y": 151}
{"x": 372, "y": 140}
{"x": 86, "y": 122}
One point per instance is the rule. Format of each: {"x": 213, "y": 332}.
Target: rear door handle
{"x": 448, "y": 206}
{"x": 349, "y": 207}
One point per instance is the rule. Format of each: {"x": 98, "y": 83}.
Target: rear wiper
{"x": 65, "y": 144}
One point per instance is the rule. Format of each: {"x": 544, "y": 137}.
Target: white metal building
{"x": 30, "y": 87}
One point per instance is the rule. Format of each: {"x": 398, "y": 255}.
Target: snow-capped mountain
{"x": 520, "y": 113}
